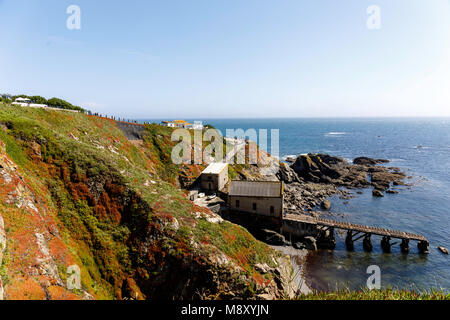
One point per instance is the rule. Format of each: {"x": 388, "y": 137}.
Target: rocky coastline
{"x": 311, "y": 179}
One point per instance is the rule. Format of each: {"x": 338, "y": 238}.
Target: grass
{"x": 78, "y": 151}
{"x": 384, "y": 294}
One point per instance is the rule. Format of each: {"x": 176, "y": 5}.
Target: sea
{"x": 418, "y": 146}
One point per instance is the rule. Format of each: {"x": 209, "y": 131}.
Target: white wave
{"x": 292, "y": 156}
{"x": 396, "y": 160}
{"x": 336, "y": 133}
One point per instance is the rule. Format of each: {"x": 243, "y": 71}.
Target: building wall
{"x": 262, "y": 205}
{"x": 299, "y": 229}
{"x": 210, "y": 182}
{"x": 217, "y": 181}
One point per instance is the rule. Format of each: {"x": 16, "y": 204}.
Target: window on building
{"x": 237, "y": 204}
{"x": 272, "y": 209}
{"x": 254, "y": 206}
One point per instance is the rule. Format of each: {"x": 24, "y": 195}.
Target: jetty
{"x": 324, "y": 229}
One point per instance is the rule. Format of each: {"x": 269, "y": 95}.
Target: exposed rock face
{"x": 2, "y": 223}
{"x": 38, "y": 268}
{"x": 287, "y": 174}
{"x": 131, "y": 130}
{"x": 369, "y": 161}
{"x": 2, "y": 249}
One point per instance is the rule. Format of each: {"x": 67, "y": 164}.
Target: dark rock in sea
{"x": 368, "y": 161}
{"x": 381, "y": 186}
{"x": 317, "y": 167}
{"x": 443, "y": 250}
{"x": 313, "y": 178}
{"x": 383, "y": 179}
{"x": 392, "y": 191}
{"x": 290, "y": 159}
{"x": 326, "y": 205}
{"x": 377, "y": 193}
{"x": 310, "y": 243}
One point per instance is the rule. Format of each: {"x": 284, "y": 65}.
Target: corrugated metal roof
{"x": 215, "y": 168}
{"x": 269, "y": 189}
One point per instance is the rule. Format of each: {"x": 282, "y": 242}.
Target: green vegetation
{"x": 386, "y": 294}
{"x": 53, "y": 102}
{"x": 107, "y": 193}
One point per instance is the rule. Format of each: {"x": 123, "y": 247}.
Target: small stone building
{"x": 215, "y": 177}
{"x": 259, "y": 197}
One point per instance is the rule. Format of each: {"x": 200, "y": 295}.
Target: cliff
{"x": 75, "y": 193}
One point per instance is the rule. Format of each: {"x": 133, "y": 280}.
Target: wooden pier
{"x": 325, "y": 227}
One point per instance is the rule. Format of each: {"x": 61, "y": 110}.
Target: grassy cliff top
{"x": 118, "y": 211}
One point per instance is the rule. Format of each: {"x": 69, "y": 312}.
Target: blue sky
{"x": 231, "y": 58}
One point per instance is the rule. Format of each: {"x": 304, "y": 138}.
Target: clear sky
{"x": 231, "y": 58}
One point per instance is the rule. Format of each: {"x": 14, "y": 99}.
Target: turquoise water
{"x": 422, "y": 209}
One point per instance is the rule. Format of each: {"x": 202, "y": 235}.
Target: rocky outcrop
{"x": 287, "y": 174}
{"x": 326, "y": 205}
{"x": 312, "y": 178}
{"x": 368, "y": 161}
{"x": 317, "y": 168}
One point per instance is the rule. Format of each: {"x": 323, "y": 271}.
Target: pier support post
{"x": 367, "y": 243}
{"x": 331, "y": 239}
{"x": 385, "y": 244}
{"x": 404, "y": 246}
{"x": 349, "y": 241}
{"x": 326, "y": 239}
{"x": 423, "y": 246}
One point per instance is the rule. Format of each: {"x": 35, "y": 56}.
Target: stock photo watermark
{"x": 374, "y": 19}
{"x": 237, "y": 147}
{"x": 73, "y": 22}
{"x": 74, "y": 277}
{"x": 374, "y": 280}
